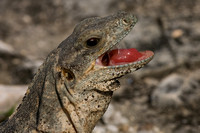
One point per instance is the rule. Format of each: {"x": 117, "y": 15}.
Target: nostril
{"x": 129, "y": 20}
{"x": 125, "y": 21}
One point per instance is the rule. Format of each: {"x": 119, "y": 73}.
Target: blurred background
{"x": 162, "y": 97}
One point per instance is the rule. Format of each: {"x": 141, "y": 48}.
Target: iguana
{"x": 73, "y": 87}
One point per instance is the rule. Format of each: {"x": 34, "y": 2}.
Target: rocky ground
{"x": 163, "y": 97}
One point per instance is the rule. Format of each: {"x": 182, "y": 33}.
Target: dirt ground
{"x": 162, "y": 97}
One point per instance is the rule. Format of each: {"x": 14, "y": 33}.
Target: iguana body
{"x": 73, "y": 88}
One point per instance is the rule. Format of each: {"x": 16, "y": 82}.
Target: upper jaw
{"x": 115, "y": 33}
{"x": 116, "y": 30}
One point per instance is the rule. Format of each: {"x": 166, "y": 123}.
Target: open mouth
{"x": 117, "y": 57}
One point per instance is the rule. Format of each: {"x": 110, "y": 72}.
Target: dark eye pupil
{"x": 92, "y": 42}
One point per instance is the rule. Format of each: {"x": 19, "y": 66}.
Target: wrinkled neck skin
{"x": 50, "y": 106}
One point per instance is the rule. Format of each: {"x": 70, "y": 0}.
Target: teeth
{"x": 134, "y": 63}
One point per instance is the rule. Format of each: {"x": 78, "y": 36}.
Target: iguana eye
{"x": 92, "y": 42}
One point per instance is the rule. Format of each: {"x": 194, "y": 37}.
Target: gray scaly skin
{"x": 70, "y": 92}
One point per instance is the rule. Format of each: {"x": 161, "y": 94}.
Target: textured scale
{"x": 70, "y": 92}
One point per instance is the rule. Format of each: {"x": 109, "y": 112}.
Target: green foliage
{"x": 5, "y": 115}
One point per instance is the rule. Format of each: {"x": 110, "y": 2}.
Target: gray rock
{"x": 168, "y": 92}
{"x": 14, "y": 67}
{"x": 178, "y": 90}
{"x": 112, "y": 116}
{"x": 99, "y": 129}
{"x": 5, "y": 48}
{"x": 114, "y": 122}
{"x": 190, "y": 94}
{"x": 10, "y": 96}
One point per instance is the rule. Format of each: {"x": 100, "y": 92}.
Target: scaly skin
{"x": 70, "y": 92}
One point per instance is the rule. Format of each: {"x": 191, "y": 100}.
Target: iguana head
{"x": 86, "y": 56}
{"x": 89, "y": 69}
{"x": 73, "y": 87}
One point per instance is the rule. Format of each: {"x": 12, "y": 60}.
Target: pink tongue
{"x": 123, "y": 56}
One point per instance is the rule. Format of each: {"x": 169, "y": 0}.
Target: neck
{"x": 46, "y": 107}
{"x": 29, "y": 112}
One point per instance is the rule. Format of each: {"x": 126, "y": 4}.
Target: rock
{"x": 10, "y": 96}
{"x": 99, "y": 129}
{"x": 152, "y": 129}
{"x": 112, "y": 116}
{"x": 112, "y": 128}
{"x": 5, "y": 48}
{"x": 178, "y": 90}
{"x": 177, "y": 33}
{"x": 168, "y": 92}
{"x": 14, "y": 67}
{"x": 190, "y": 94}
{"x": 113, "y": 122}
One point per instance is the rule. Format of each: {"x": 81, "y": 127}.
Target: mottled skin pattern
{"x": 70, "y": 93}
